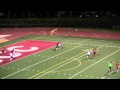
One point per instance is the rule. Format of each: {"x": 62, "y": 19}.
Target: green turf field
{"x": 70, "y": 62}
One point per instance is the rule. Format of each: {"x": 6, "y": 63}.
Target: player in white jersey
{"x": 12, "y": 54}
{"x": 88, "y": 54}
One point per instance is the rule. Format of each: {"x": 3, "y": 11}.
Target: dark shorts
{"x": 94, "y": 53}
{"x": 110, "y": 68}
{"x": 11, "y": 56}
{"x": 57, "y": 46}
{"x": 117, "y": 67}
{"x": 3, "y": 51}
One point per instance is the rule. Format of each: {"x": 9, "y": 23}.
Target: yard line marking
{"x": 40, "y": 62}
{"x": 57, "y": 67}
{"x": 62, "y": 65}
{"x": 78, "y": 43}
{"x": 93, "y": 64}
{"x": 106, "y": 75}
{"x": 71, "y": 68}
{"x": 96, "y": 45}
{"x": 58, "y": 39}
{"x": 15, "y": 43}
{"x": 54, "y": 66}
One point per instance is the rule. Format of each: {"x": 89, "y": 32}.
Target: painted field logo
{"x": 24, "y": 49}
{"x": 3, "y": 38}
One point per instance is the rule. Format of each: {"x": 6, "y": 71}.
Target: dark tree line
{"x": 58, "y": 14}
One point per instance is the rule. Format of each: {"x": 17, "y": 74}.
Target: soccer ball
{"x": 76, "y": 30}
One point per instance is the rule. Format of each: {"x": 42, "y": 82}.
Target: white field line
{"x": 93, "y": 64}
{"x": 77, "y": 43}
{"x": 63, "y": 65}
{"x": 59, "y": 67}
{"x": 26, "y": 56}
{"x": 100, "y": 45}
{"x": 95, "y": 45}
{"x": 104, "y": 45}
{"x": 19, "y": 42}
{"x": 14, "y": 43}
{"x": 9, "y": 45}
{"x": 50, "y": 47}
{"x": 107, "y": 74}
{"x": 39, "y": 62}
{"x": 83, "y": 41}
{"x": 31, "y": 65}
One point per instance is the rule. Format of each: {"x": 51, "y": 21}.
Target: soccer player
{"x": 3, "y": 50}
{"x": 68, "y": 34}
{"x": 88, "y": 54}
{"x": 110, "y": 65}
{"x": 94, "y": 52}
{"x": 58, "y": 46}
{"x": 12, "y": 54}
{"x": 117, "y": 66}
{"x": 53, "y": 31}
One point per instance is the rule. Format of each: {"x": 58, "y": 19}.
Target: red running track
{"x": 20, "y": 32}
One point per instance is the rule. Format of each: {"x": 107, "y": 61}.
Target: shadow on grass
{"x": 112, "y": 72}
{"x": 54, "y": 49}
{"x": 87, "y": 58}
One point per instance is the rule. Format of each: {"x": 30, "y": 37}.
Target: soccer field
{"x": 70, "y": 62}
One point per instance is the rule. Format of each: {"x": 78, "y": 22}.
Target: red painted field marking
{"x": 25, "y": 48}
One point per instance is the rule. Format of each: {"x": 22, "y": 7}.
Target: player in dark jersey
{"x": 94, "y": 52}
{"x": 3, "y": 50}
{"x": 58, "y": 46}
{"x": 117, "y": 66}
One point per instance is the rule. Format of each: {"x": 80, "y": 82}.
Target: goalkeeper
{"x": 53, "y": 31}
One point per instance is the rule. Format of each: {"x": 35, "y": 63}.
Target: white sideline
{"x": 93, "y": 64}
